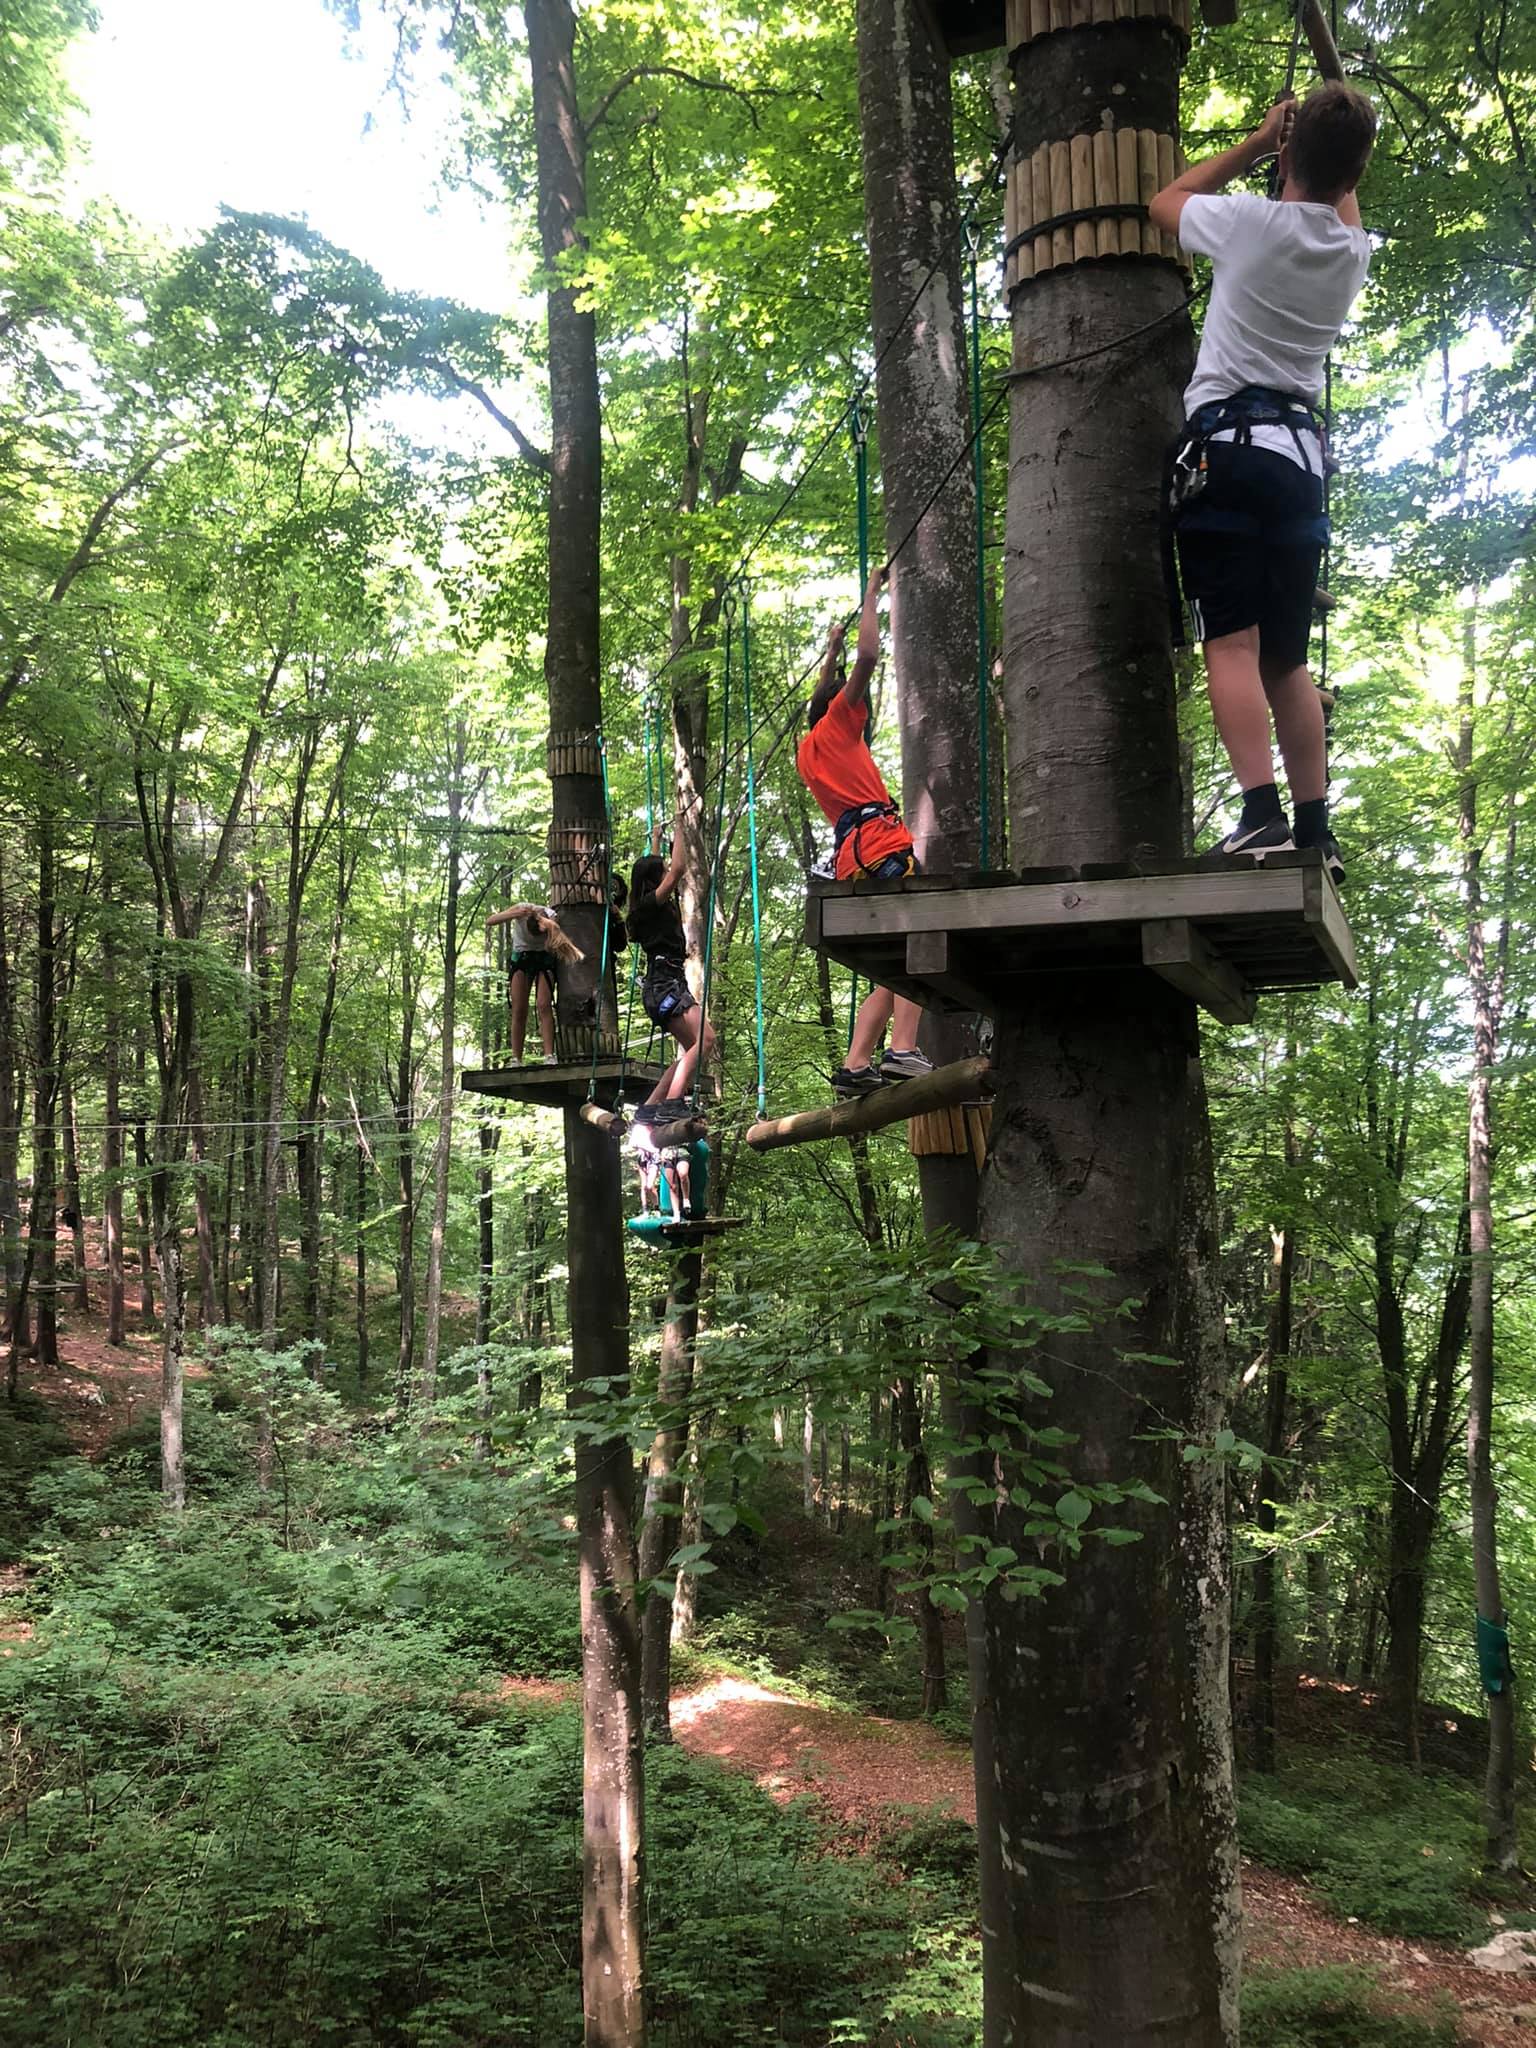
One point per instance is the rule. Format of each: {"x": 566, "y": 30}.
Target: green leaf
{"x": 1074, "y": 1509}
{"x": 922, "y": 1507}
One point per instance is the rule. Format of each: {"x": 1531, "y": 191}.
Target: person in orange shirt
{"x": 872, "y": 843}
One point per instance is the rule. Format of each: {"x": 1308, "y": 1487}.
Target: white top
{"x": 525, "y": 939}
{"x": 1286, "y": 274}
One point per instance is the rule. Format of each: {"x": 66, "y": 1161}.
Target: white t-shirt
{"x": 525, "y": 939}
{"x": 1286, "y": 274}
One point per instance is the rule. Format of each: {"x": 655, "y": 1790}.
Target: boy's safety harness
{"x": 1188, "y": 472}
{"x": 852, "y": 822}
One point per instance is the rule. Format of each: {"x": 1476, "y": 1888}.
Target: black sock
{"x": 1312, "y": 822}
{"x": 1261, "y": 804}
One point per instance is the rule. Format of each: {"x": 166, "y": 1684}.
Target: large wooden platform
{"x": 1223, "y": 931}
{"x": 565, "y": 1085}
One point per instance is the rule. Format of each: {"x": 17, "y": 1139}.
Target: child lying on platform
{"x": 538, "y": 946}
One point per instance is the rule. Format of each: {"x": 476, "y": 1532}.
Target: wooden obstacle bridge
{"x": 568, "y": 1083}
{"x": 1221, "y": 931}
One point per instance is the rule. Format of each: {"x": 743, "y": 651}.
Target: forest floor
{"x": 872, "y": 1777}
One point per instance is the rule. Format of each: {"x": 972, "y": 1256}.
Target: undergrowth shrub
{"x": 32, "y": 1441}
{"x": 1333, "y": 2007}
{"x": 1395, "y": 1849}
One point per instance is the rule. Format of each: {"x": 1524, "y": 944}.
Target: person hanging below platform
{"x": 872, "y": 843}
{"x": 1246, "y": 488}
{"x": 538, "y": 946}
{"x": 656, "y": 926}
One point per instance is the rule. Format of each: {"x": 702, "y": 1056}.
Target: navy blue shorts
{"x": 1240, "y": 561}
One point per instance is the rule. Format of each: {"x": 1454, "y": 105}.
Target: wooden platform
{"x": 1223, "y": 931}
{"x": 566, "y": 1085}
{"x": 662, "y": 1230}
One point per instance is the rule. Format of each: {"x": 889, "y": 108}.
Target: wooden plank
{"x": 1325, "y": 52}
{"x": 607, "y": 1120}
{"x": 961, "y": 1082}
{"x": 564, "y": 1086}
{"x": 930, "y": 960}
{"x": 1325, "y": 916}
{"x": 1173, "y": 948}
{"x": 1059, "y": 907}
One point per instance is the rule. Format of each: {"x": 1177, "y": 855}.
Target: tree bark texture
{"x": 45, "y": 1139}
{"x": 613, "y": 1923}
{"x": 1486, "y": 980}
{"x": 912, "y": 221}
{"x": 442, "y": 1166}
{"x": 660, "y": 1529}
{"x": 1114, "y": 1816}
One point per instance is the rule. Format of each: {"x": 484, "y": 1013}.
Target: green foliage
{"x": 32, "y": 1441}
{"x": 1333, "y": 2007}
{"x": 1380, "y": 1843}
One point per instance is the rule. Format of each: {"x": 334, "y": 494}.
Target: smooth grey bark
{"x": 1114, "y": 1821}
{"x": 402, "y": 1088}
{"x": 442, "y": 1161}
{"x": 112, "y": 1118}
{"x": 1486, "y": 979}
{"x": 912, "y": 221}
{"x": 613, "y": 1870}
{"x": 659, "y": 1529}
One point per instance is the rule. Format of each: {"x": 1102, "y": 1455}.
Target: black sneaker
{"x": 1257, "y": 840}
{"x": 904, "y": 1066}
{"x": 675, "y": 1110}
{"x": 1328, "y": 846}
{"x": 850, "y": 1082}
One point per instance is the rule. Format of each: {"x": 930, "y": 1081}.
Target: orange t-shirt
{"x": 838, "y": 769}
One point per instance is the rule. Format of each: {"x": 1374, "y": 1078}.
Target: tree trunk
{"x": 202, "y": 1199}
{"x": 1114, "y": 1817}
{"x": 360, "y": 1252}
{"x": 659, "y": 1531}
{"x": 442, "y": 1165}
{"x": 1265, "y": 1619}
{"x": 112, "y": 1118}
{"x": 74, "y": 1202}
{"x": 11, "y": 1109}
{"x": 405, "y": 1166}
{"x": 919, "y": 1481}
{"x": 45, "y": 1222}
{"x": 1486, "y": 980}
{"x": 613, "y": 1928}
{"x": 141, "y": 1190}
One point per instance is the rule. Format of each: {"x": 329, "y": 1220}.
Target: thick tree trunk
{"x": 1113, "y": 1819}
{"x": 45, "y": 1222}
{"x": 11, "y": 1106}
{"x": 112, "y": 1118}
{"x": 613, "y": 1928}
{"x": 426, "y": 1385}
{"x": 201, "y": 1194}
{"x": 141, "y": 1191}
{"x": 405, "y": 1167}
{"x": 912, "y": 216}
{"x": 660, "y": 1528}
{"x": 80, "y": 1291}
{"x": 1487, "y": 982}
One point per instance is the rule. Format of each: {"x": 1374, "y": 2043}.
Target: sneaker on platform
{"x": 905, "y": 1066}
{"x": 1255, "y": 841}
{"x": 851, "y": 1082}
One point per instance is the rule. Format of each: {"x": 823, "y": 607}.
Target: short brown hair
{"x": 1331, "y": 140}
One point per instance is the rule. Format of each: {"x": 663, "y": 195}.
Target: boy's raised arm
{"x": 1216, "y": 173}
{"x": 866, "y": 654}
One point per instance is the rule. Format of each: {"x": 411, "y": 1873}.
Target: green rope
{"x": 983, "y": 660}
{"x": 757, "y": 902}
{"x": 714, "y": 865}
{"x": 602, "y": 969}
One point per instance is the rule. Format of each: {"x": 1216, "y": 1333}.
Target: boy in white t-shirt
{"x": 1248, "y": 477}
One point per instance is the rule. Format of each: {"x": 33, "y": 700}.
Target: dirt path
{"x": 866, "y": 1770}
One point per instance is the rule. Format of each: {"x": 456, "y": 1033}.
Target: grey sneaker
{"x": 904, "y": 1066}
{"x": 1257, "y": 840}
{"x": 849, "y": 1082}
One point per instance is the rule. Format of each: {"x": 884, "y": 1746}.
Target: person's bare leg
{"x": 906, "y": 1016}
{"x": 1298, "y": 713}
{"x": 1239, "y": 706}
{"x": 519, "y": 1015}
{"x": 869, "y": 1026}
{"x": 679, "y": 1076}
{"x": 546, "y": 1004}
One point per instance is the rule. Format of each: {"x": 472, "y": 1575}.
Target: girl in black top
{"x": 656, "y": 926}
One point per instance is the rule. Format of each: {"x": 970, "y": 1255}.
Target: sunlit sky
{"x": 258, "y": 104}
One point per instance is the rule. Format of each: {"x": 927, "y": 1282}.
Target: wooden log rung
{"x": 962, "y": 1081}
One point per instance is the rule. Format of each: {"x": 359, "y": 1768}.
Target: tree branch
{"x": 621, "y": 85}
{"x": 534, "y": 456}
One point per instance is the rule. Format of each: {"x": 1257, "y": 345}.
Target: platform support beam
{"x": 963, "y": 1081}
{"x": 1173, "y": 948}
